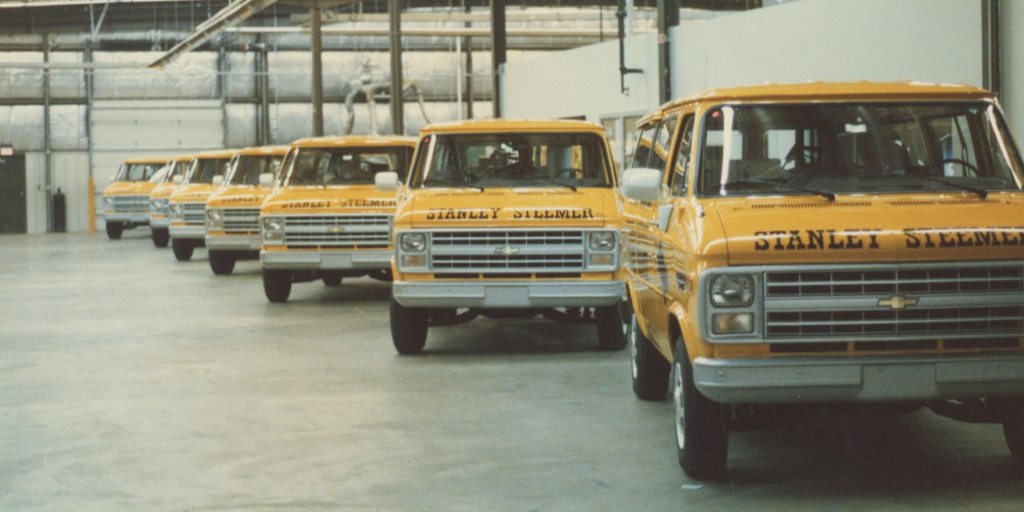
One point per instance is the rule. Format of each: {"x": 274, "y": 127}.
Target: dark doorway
{"x": 12, "y": 194}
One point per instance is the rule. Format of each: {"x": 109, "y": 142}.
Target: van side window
{"x": 644, "y": 143}
{"x": 662, "y": 143}
{"x": 677, "y": 181}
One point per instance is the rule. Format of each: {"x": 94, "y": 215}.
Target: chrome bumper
{"x": 134, "y": 218}
{"x": 511, "y": 294}
{"x": 859, "y": 379}
{"x": 159, "y": 222}
{"x": 233, "y": 242}
{"x": 188, "y": 231}
{"x": 326, "y": 260}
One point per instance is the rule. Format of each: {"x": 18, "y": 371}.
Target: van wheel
{"x": 221, "y": 262}
{"x": 610, "y": 331}
{"x": 702, "y": 442}
{"x": 182, "y": 249}
{"x": 1013, "y": 428}
{"x": 408, "y": 328}
{"x": 114, "y": 230}
{"x": 650, "y": 369}
{"x": 277, "y": 284}
{"x": 161, "y": 237}
{"x": 332, "y": 280}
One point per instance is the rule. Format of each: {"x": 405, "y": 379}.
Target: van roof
{"x": 512, "y": 125}
{"x": 264, "y": 150}
{"x": 353, "y": 141}
{"x": 216, "y": 154}
{"x": 150, "y": 160}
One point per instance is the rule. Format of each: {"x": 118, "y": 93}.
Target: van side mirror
{"x": 113, "y": 177}
{"x": 386, "y": 181}
{"x": 218, "y": 180}
{"x": 178, "y": 180}
{"x": 267, "y": 179}
{"x": 642, "y": 184}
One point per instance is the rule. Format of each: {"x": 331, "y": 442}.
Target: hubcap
{"x": 632, "y": 344}
{"x": 677, "y": 403}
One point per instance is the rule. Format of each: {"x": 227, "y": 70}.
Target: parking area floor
{"x": 130, "y": 381}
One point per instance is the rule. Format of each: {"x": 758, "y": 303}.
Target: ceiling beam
{"x": 233, "y": 14}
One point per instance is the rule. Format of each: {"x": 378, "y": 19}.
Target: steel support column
{"x": 47, "y": 157}
{"x": 668, "y": 17}
{"x": 262, "y": 94}
{"x": 990, "y": 48}
{"x": 499, "y": 45}
{"x": 467, "y": 46}
{"x": 89, "y": 77}
{"x": 222, "y": 90}
{"x": 395, "y": 43}
{"x": 318, "y": 74}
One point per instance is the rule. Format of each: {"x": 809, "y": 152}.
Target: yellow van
{"x": 326, "y": 220}
{"x": 826, "y": 243}
{"x": 126, "y": 199}
{"x": 507, "y": 219}
{"x": 233, "y": 211}
{"x": 159, "y": 213}
{"x": 187, "y": 203}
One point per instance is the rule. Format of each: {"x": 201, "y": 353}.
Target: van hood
{"x": 197, "y": 192}
{"x": 129, "y": 188}
{"x": 587, "y": 207}
{"x": 239, "y": 196}
{"x": 342, "y": 200}
{"x": 947, "y": 227}
{"x": 163, "y": 190}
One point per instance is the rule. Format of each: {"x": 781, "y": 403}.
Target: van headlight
{"x": 214, "y": 219}
{"x": 732, "y": 290}
{"x": 273, "y": 229}
{"x": 177, "y": 211}
{"x": 602, "y": 240}
{"x": 413, "y": 242}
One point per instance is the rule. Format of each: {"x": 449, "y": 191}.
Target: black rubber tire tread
{"x": 277, "y": 285}
{"x": 161, "y": 237}
{"x": 1013, "y": 428}
{"x": 222, "y": 263}
{"x": 332, "y": 280}
{"x": 182, "y": 249}
{"x": 650, "y": 369}
{"x": 609, "y": 328}
{"x": 114, "y": 230}
{"x": 408, "y": 328}
{"x": 706, "y": 445}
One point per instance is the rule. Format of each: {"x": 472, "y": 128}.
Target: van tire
{"x": 610, "y": 332}
{"x": 222, "y": 263}
{"x": 332, "y": 280}
{"x": 1013, "y": 428}
{"x": 408, "y": 328}
{"x": 114, "y": 230}
{"x": 650, "y": 369}
{"x": 161, "y": 237}
{"x": 702, "y": 441}
{"x": 182, "y": 249}
{"x": 277, "y": 284}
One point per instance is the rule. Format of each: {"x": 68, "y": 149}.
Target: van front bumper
{"x": 159, "y": 221}
{"x": 326, "y": 260}
{"x": 860, "y": 379}
{"x": 187, "y": 231}
{"x": 233, "y": 242}
{"x": 133, "y": 218}
{"x": 508, "y": 294}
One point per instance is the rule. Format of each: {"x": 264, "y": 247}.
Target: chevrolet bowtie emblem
{"x": 897, "y": 302}
{"x": 507, "y": 251}
{"x": 336, "y": 229}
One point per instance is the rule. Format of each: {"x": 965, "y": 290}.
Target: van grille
{"x": 338, "y": 231}
{"x": 503, "y": 251}
{"x": 195, "y": 213}
{"x": 932, "y": 280}
{"x": 129, "y": 204}
{"x": 931, "y": 321}
{"x": 242, "y": 220}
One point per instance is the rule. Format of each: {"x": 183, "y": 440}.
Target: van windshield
{"x": 856, "y": 148}
{"x": 247, "y": 169}
{"x": 347, "y": 165}
{"x": 203, "y": 170}
{"x": 138, "y": 172}
{"x": 513, "y": 160}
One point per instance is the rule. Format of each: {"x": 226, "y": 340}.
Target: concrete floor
{"x": 129, "y": 381}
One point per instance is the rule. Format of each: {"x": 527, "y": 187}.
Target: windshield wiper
{"x": 780, "y": 185}
{"x": 457, "y": 183}
{"x": 982, "y": 193}
{"x": 569, "y": 186}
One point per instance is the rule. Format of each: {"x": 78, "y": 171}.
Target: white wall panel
{"x": 831, "y": 40}
{"x": 148, "y": 125}
{"x": 35, "y": 192}
{"x": 1012, "y": 96}
{"x": 71, "y": 176}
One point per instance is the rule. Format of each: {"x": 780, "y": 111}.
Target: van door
{"x": 644, "y": 248}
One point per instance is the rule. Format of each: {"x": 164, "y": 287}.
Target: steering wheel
{"x": 963, "y": 163}
{"x": 800, "y": 154}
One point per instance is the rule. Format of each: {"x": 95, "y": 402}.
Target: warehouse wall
{"x": 1012, "y": 41}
